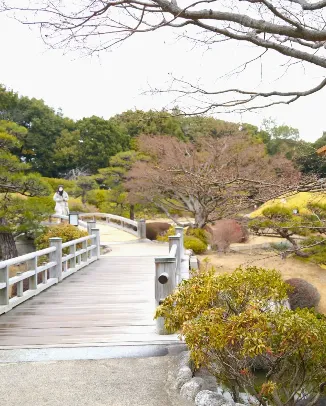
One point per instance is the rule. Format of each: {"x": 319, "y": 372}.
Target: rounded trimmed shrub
{"x": 199, "y": 233}
{"x": 303, "y": 294}
{"x": 65, "y": 231}
{"x": 194, "y": 244}
{"x": 153, "y": 230}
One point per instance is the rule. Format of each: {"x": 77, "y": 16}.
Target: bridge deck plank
{"x": 109, "y": 302}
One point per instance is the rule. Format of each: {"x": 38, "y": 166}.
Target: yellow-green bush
{"x": 65, "y": 231}
{"x": 190, "y": 242}
{"x": 97, "y": 197}
{"x": 77, "y": 205}
{"x": 164, "y": 237}
{"x": 231, "y": 321}
{"x": 198, "y": 233}
{"x": 195, "y": 244}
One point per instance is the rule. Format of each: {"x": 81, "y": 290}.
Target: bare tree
{"x": 212, "y": 179}
{"x": 296, "y": 29}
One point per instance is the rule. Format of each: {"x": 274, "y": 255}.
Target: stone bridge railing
{"x": 52, "y": 264}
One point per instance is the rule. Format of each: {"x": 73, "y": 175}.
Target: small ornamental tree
{"x": 287, "y": 224}
{"x": 230, "y": 321}
{"x": 211, "y": 179}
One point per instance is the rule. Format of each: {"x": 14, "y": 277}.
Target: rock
{"x": 228, "y": 397}
{"x": 190, "y": 389}
{"x": 209, "y": 398}
{"x": 185, "y": 360}
{"x": 248, "y": 399}
{"x": 183, "y": 375}
{"x": 210, "y": 380}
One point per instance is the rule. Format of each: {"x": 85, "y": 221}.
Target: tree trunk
{"x": 7, "y": 246}
{"x": 296, "y": 248}
{"x": 200, "y": 219}
{"x": 132, "y": 212}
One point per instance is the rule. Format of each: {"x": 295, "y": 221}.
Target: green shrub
{"x": 194, "y": 244}
{"x": 97, "y": 197}
{"x": 233, "y": 292}
{"x": 75, "y": 204}
{"x": 191, "y": 242}
{"x": 198, "y": 233}
{"x": 229, "y": 320}
{"x": 162, "y": 231}
{"x": 304, "y": 294}
{"x": 280, "y": 246}
{"x": 65, "y": 231}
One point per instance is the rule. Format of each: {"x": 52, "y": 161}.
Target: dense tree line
{"x": 97, "y": 160}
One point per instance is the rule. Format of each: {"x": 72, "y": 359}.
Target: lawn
{"x": 297, "y": 201}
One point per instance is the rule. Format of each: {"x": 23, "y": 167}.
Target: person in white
{"x": 61, "y": 198}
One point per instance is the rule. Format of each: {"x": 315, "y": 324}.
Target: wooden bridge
{"x": 77, "y": 297}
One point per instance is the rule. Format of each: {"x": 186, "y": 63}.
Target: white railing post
{"x": 176, "y": 239}
{"x": 141, "y": 228}
{"x": 85, "y": 254}
{"x": 90, "y": 225}
{"x": 164, "y": 285}
{"x": 96, "y": 232}
{"x": 4, "y": 278}
{"x": 32, "y": 266}
{"x": 72, "y": 251}
{"x": 56, "y": 256}
{"x": 20, "y": 286}
{"x": 180, "y": 230}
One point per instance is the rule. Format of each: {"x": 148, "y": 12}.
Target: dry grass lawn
{"x": 290, "y": 268}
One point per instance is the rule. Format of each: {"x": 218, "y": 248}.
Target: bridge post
{"x": 141, "y": 229}
{"x": 180, "y": 230}
{"x": 164, "y": 285}
{"x": 176, "y": 239}
{"x": 56, "y": 256}
{"x": 96, "y": 232}
{"x": 90, "y": 225}
{"x": 4, "y": 293}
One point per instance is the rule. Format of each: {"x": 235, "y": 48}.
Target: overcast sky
{"x": 115, "y": 82}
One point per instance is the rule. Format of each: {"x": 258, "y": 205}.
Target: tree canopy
{"x": 212, "y": 178}
{"x": 17, "y": 214}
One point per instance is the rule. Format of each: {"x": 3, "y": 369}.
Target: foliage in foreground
{"x": 231, "y": 292}
{"x": 231, "y": 321}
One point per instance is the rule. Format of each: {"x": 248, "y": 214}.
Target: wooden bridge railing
{"x": 169, "y": 272}
{"x": 137, "y": 228}
{"x": 53, "y": 264}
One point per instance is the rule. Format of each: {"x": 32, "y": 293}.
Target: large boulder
{"x": 190, "y": 389}
{"x": 184, "y": 375}
{"x": 209, "y": 398}
{"x": 210, "y": 380}
{"x": 184, "y": 360}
